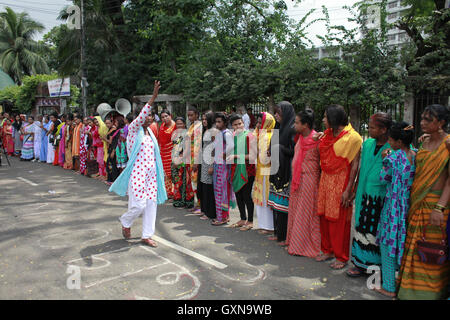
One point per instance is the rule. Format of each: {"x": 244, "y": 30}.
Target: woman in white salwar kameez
{"x": 37, "y": 138}
{"x": 260, "y": 191}
{"x": 143, "y": 178}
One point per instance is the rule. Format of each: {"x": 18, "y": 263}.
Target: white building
{"x": 394, "y": 10}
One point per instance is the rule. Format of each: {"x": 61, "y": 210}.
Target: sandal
{"x": 237, "y": 225}
{"x": 282, "y": 244}
{"x": 273, "y": 238}
{"x": 324, "y": 257}
{"x": 337, "y": 265}
{"x": 198, "y": 212}
{"x": 204, "y": 217}
{"x": 263, "y": 231}
{"x": 150, "y": 242}
{"x": 219, "y": 223}
{"x": 246, "y": 227}
{"x": 354, "y": 272}
{"x": 126, "y": 232}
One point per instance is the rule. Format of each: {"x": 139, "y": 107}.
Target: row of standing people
{"x": 399, "y": 193}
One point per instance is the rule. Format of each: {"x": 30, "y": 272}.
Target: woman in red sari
{"x": 165, "y": 145}
{"x": 339, "y": 160}
{"x": 8, "y": 141}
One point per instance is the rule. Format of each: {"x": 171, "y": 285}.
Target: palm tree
{"x": 18, "y": 50}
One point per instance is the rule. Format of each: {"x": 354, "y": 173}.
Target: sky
{"x": 46, "y": 12}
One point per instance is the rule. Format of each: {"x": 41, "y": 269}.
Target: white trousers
{"x": 265, "y": 217}
{"x": 136, "y": 207}
{"x": 50, "y": 153}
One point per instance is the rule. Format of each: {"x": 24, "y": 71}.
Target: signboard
{"x": 59, "y": 87}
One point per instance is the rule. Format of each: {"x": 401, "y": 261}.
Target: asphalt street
{"x": 60, "y": 238}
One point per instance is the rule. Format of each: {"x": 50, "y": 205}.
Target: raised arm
{"x": 140, "y": 119}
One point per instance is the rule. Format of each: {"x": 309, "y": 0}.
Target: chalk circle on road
{"x": 71, "y": 238}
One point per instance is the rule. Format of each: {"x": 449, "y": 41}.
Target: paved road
{"x": 56, "y": 225}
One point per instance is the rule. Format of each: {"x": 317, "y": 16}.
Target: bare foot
{"x": 385, "y": 293}
{"x": 324, "y": 257}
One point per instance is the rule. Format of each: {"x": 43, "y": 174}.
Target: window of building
{"x": 392, "y": 37}
{"x": 392, "y": 16}
{"x": 392, "y": 4}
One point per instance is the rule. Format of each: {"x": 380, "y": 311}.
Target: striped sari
{"x": 303, "y": 230}
{"x": 28, "y": 142}
{"x": 419, "y": 280}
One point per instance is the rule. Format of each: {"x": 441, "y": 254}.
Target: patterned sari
{"x": 368, "y": 205}
{"x": 419, "y": 280}
{"x": 183, "y": 195}
{"x": 83, "y": 150}
{"x": 223, "y": 191}
{"x": 28, "y": 142}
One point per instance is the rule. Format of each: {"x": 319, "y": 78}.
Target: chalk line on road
{"x": 28, "y": 181}
{"x": 191, "y": 253}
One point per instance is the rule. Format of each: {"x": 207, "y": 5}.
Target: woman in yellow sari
{"x": 260, "y": 191}
{"x": 430, "y": 193}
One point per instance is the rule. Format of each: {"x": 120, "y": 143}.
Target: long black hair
{"x": 17, "y": 124}
{"x": 209, "y": 119}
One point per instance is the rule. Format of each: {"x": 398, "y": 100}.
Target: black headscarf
{"x": 281, "y": 179}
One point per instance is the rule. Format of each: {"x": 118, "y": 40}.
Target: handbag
{"x": 430, "y": 252}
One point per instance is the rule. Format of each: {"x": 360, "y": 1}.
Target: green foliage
{"x": 23, "y": 96}
{"x": 19, "y": 53}
{"x": 9, "y": 93}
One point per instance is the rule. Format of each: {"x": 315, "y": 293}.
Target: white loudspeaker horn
{"x": 103, "y": 109}
{"x": 123, "y": 106}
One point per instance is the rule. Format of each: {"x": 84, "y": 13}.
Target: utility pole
{"x": 83, "y": 62}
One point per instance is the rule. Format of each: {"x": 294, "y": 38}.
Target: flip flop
{"x": 204, "y": 217}
{"x": 219, "y": 223}
{"x": 338, "y": 265}
{"x": 354, "y": 272}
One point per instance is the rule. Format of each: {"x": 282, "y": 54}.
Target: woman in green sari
{"x": 370, "y": 195}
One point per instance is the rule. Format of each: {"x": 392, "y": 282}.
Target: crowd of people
{"x": 397, "y": 194}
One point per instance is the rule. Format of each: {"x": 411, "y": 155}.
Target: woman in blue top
{"x": 398, "y": 174}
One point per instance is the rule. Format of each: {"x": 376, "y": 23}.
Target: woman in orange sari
{"x": 339, "y": 151}
{"x": 430, "y": 193}
{"x": 165, "y": 146}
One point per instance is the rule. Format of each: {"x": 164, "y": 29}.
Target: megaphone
{"x": 123, "y": 106}
{"x": 103, "y": 109}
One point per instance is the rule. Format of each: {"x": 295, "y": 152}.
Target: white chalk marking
{"x": 191, "y": 253}
{"x": 27, "y": 181}
{"x": 123, "y": 275}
